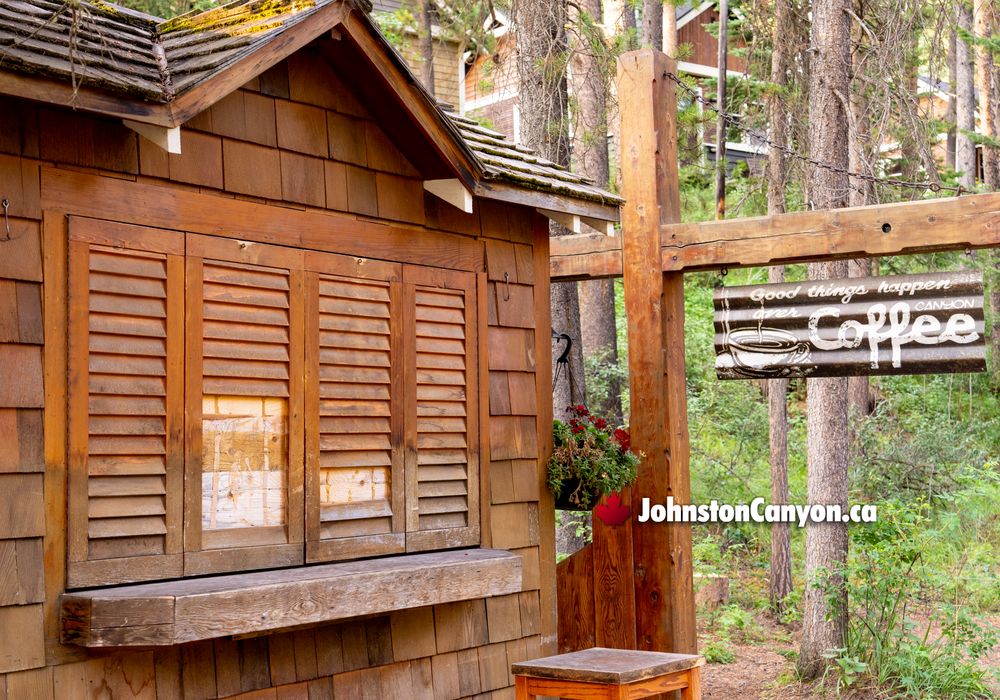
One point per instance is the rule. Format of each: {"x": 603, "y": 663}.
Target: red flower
{"x": 623, "y": 439}
{"x": 600, "y": 424}
{"x": 578, "y": 429}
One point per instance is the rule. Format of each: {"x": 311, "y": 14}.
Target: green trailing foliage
{"x": 590, "y": 458}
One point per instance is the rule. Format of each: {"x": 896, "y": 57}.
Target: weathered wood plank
{"x": 953, "y": 223}
{"x": 585, "y": 256}
{"x": 503, "y": 617}
{"x": 21, "y": 572}
{"x": 154, "y": 205}
{"x": 678, "y": 476}
{"x": 21, "y": 376}
{"x": 413, "y": 633}
{"x": 546, "y": 551}
{"x": 664, "y": 606}
{"x": 22, "y": 512}
{"x": 251, "y": 603}
{"x": 26, "y": 649}
{"x": 648, "y": 162}
{"x": 575, "y": 595}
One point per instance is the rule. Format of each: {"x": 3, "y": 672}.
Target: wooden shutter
{"x": 245, "y": 374}
{"x": 126, "y": 335}
{"x": 442, "y": 426}
{"x": 354, "y": 488}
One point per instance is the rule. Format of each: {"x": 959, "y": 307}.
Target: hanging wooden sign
{"x": 913, "y": 324}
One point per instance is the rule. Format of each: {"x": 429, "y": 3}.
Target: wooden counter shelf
{"x": 174, "y": 612}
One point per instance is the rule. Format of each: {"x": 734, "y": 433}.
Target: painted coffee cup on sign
{"x": 754, "y": 348}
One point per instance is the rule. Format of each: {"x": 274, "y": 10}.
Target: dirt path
{"x": 760, "y": 672}
{"x": 754, "y": 674}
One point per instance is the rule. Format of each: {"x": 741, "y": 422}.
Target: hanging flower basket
{"x": 575, "y": 496}
{"x": 590, "y": 459}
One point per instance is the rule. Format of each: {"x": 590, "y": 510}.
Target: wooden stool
{"x": 615, "y": 674}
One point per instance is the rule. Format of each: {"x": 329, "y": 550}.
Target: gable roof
{"x": 687, "y": 11}
{"x": 127, "y": 64}
{"x": 514, "y": 163}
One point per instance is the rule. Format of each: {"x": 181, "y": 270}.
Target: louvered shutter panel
{"x": 355, "y": 488}
{"x": 442, "y": 421}
{"x": 125, "y": 403}
{"x": 244, "y": 406}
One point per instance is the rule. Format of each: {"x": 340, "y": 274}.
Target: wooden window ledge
{"x": 174, "y": 612}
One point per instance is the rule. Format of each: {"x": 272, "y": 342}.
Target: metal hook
{"x": 563, "y": 359}
{"x": 6, "y": 219}
{"x": 506, "y": 291}
{"x": 720, "y": 280}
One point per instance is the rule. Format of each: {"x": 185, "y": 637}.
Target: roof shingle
{"x": 99, "y": 45}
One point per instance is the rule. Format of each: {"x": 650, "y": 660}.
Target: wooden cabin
{"x": 274, "y": 367}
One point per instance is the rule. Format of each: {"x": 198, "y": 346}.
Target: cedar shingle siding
{"x": 147, "y": 291}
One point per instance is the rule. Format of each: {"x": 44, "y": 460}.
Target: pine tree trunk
{"x": 777, "y": 413}
{"x": 600, "y": 339}
{"x": 628, "y": 19}
{"x": 777, "y": 389}
{"x": 541, "y": 41}
{"x": 590, "y": 158}
{"x": 652, "y": 23}
{"x": 426, "y": 38}
{"x": 912, "y": 137}
{"x": 965, "y": 103}
{"x": 988, "y": 85}
{"x": 670, "y": 46}
{"x": 995, "y": 311}
{"x": 861, "y": 156}
{"x": 951, "y": 115}
{"x": 824, "y": 615}
{"x": 985, "y": 77}
{"x": 568, "y": 387}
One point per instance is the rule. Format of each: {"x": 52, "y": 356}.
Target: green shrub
{"x": 886, "y": 575}
{"x": 719, "y": 652}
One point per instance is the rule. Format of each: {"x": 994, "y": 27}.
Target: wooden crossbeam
{"x": 585, "y": 257}
{"x": 955, "y": 223}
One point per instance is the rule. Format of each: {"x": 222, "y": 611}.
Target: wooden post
{"x": 654, "y": 303}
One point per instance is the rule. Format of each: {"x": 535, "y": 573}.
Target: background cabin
{"x": 274, "y": 367}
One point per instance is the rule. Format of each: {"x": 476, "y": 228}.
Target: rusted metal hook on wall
{"x": 6, "y": 220}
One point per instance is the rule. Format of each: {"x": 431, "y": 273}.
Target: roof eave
{"x": 40, "y": 88}
{"x": 501, "y": 191}
{"x": 432, "y": 121}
